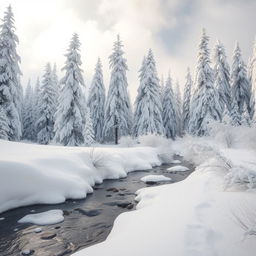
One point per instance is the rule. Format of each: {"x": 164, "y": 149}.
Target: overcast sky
{"x": 170, "y": 27}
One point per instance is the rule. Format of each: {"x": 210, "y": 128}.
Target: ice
{"x": 44, "y": 218}
{"x": 178, "y": 168}
{"x": 154, "y": 178}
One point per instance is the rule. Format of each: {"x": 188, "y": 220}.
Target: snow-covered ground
{"x": 33, "y": 174}
{"x": 211, "y": 213}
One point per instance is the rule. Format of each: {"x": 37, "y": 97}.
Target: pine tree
{"x": 186, "y": 102}
{"x": 205, "y": 102}
{"x": 55, "y": 82}
{"x": 241, "y": 88}
{"x": 45, "y": 123}
{"x": 178, "y": 108}
{"x": 234, "y": 114}
{"x": 96, "y": 102}
{"x": 36, "y": 108}
{"x": 70, "y": 116}
{"x": 118, "y": 114}
{"x": 88, "y": 129}
{"x": 4, "y": 124}
{"x": 28, "y": 121}
{"x": 10, "y": 88}
{"x": 148, "y": 105}
{"x": 222, "y": 77}
{"x": 169, "y": 110}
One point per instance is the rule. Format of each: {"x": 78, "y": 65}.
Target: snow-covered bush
{"x": 153, "y": 140}
{"x": 127, "y": 141}
{"x": 98, "y": 158}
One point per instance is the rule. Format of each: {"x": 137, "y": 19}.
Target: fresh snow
{"x": 196, "y": 216}
{"x": 43, "y": 218}
{"x": 175, "y": 162}
{"x": 2, "y": 218}
{"x": 38, "y": 230}
{"x": 178, "y": 168}
{"x": 39, "y": 174}
{"x": 154, "y": 178}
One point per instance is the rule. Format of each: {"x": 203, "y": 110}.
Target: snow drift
{"x": 37, "y": 174}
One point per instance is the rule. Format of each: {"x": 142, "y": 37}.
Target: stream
{"x": 86, "y": 222}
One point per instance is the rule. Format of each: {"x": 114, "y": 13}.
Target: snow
{"x": 2, "y": 218}
{"x": 175, "y": 162}
{"x": 43, "y": 218}
{"x": 37, "y": 230}
{"x": 154, "y": 178}
{"x": 196, "y": 216}
{"x": 39, "y": 174}
{"x": 178, "y": 168}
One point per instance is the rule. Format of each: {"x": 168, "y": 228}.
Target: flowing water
{"x": 86, "y": 222}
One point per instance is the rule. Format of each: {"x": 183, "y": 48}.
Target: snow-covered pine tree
{"x": 88, "y": 129}
{"x": 186, "y": 102}
{"x": 234, "y": 114}
{"x": 45, "y": 122}
{"x": 27, "y": 119}
{"x": 148, "y": 105}
{"x": 205, "y": 101}
{"x": 4, "y": 124}
{"x": 96, "y": 102}
{"x": 36, "y": 107}
{"x": 70, "y": 116}
{"x": 55, "y": 82}
{"x": 10, "y": 87}
{"x": 169, "y": 110}
{"x": 162, "y": 89}
{"x": 118, "y": 113}
{"x": 241, "y": 89}
{"x": 178, "y": 108}
{"x": 222, "y": 77}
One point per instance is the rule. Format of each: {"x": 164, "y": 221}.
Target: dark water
{"x": 87, "y": 221}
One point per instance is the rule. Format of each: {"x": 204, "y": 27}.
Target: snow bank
{"x": 38, "y": 174}
{"x": 194, "y": 217}
{"x": 178, "y": 168}
{"x": 43, "y": 218}
{"x": 154, "y": 178}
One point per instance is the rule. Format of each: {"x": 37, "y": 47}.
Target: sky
{"x": 171, "y": 28}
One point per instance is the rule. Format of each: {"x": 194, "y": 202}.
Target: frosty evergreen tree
{"x": 205, "y": 102}
{"x": 234, "y": 114}
{"x": 222, "y": 77}
{"x": 88, "y": 129}
{"x": 178, "y": 108}
{"x": 55, "y": 83}
{"x": 186, "y": 102}
{"x": 28, "y": 121}
{"x": 241, "y": 88}
{"x": 4, "y": 124}
{"x": 70, "y": 116}
{"x": 45, "y": 122}
{"x": 169, "y": 110}
{"x": 10, "y": 88}
{"x": 118, "y": 113}
{"x": 148, "y": 105}
{"x": 36, "y": 107}
{"x": 96, "y": 102}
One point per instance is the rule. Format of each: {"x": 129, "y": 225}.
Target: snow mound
{"x": 39, "y": 174}
{"x": 43, "y": 218}
{"x": 154, "y": 178}
{"x": 175, "y": 162}
{"x": 178, "y": 168}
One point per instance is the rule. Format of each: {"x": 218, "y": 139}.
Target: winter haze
{"x": 170, "y": 27}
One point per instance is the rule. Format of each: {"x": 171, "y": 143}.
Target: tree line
{"x": 59, "y": 111}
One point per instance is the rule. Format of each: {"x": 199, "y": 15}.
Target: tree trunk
{"x": 116, "y": 132}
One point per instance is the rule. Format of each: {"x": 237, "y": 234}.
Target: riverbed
{"x": 86, "y": 222}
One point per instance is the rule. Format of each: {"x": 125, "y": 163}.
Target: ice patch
{"x": 178, "y": 168}
{"x": 44, "y": 218}
{"x": 175, "y": 162}
{"x": 154, "y": 178}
